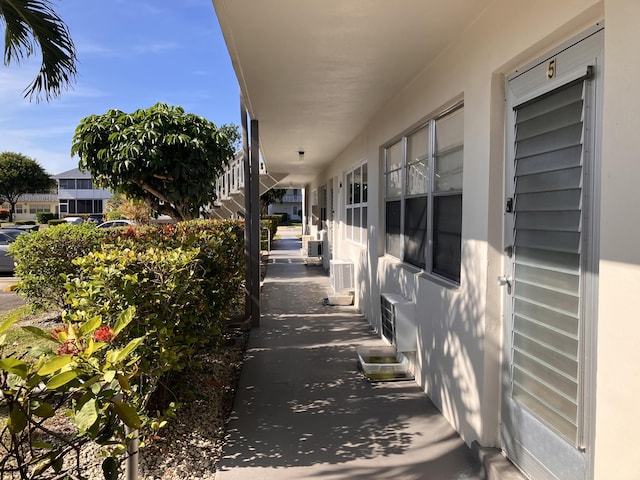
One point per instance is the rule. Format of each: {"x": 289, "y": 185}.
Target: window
{"x": 84, "y": 206}
{"x": 67, "y": 184}
{"x": 84, "y": 184}
{"x": 356, "y": 214}
{"x": 423, "y": 195}
{"x": 39, "y": 207}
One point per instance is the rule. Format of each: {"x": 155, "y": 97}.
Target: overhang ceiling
{"x": 313, "y": 72}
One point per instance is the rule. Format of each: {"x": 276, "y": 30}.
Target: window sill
{"x": 355, "y": 243}
{"x": 423, "y": 274}
{"x": 441, "y": 281}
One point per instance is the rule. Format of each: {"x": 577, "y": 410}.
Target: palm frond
{"x": 30, "y": 24}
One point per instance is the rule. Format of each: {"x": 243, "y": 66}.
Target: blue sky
{"x": 132, "y": 54}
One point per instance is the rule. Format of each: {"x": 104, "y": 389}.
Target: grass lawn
{"x": 20, "y": 342}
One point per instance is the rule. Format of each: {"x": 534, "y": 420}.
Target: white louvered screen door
{"x": 546, "y": 287}
{"x": 550, "y": 223}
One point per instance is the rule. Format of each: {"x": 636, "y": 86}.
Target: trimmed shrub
{"x": 221, "y": 253}
{"x": 25, "y": 222}
{"x": 4, "y": 213}
{"x": 271, "y": 222}
{"x": 45, "y": 217}
{"x": 56, "y": 222}
{"x": 183, "y": 280}
{"x": 140, "y": 305}
{"x": 165, "y": 288}
{"x": 44, "y": 259}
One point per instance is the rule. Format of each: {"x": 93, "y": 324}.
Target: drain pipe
{"x": 131, "y": 468}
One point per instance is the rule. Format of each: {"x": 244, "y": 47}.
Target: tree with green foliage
{"x": 162, "y": 155}
{"x": 270, "y": 196}
{"x": 20, "y": 174}
{"x": 29, "y": 24}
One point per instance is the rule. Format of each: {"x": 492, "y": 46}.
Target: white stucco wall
{"x": 618, "y": 355}
{"x": 460, "y": 328}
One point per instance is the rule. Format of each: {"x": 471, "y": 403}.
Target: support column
{"x": 247, "y": 208}
{"x": 304, "y": 210}
{"x": 254, "y": 217}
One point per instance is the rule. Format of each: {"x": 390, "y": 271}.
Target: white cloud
{"x": 155, "y": 48}
{"x": 87, "y": 48}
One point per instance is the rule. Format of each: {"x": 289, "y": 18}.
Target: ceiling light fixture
{"x": 300, "y": 155}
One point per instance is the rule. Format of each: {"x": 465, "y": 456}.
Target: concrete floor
{"x": 303, "y": 410}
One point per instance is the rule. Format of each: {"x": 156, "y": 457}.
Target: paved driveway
{"x": 8, "y": 300}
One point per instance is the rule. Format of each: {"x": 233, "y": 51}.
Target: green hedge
{"x": 139, "y": 304}
{"x": 271, "y": 222}
{"x": 44, "y": 258}
{"x": 45, "y": 217}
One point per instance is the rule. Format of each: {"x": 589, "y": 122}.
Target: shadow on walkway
{"x": 302, "y": 409}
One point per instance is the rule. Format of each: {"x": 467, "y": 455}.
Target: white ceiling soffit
{"x": 313, "y": 72}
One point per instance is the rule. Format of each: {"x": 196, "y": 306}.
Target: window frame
{"x": 67, "y": 183}
{"x": 39, "y": 208}
{"x": 428, "y": 250}
{"x": 84, "y": 184}
{"x": 356, "y": 232}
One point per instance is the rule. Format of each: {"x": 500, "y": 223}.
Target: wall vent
{"x": 341, "y": 274}
{"x": 398, "y": 321}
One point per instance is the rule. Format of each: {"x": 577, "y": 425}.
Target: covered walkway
{"x": 303, "y": 410}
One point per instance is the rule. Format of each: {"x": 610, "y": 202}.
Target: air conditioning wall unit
{"x": 398, "y": 321}
{"x": 341, "y": 274}
{"x": 314, "y": 248}
{"x": 305, "y": 242}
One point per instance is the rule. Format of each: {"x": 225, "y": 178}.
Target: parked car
{"x": 116, "y": 223}
{"x": 6, "y": 260}
{"x": 96, "y": 218}
{"x": 74, "y": 220}
{"x": 22, "y": 228}
{"x": 13, "y": 232}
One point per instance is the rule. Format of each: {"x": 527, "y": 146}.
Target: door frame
{"x": 589, "y": 257}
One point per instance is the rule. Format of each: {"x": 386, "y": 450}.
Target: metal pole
{"x": 131, "y": 466}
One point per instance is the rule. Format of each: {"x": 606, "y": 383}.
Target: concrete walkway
{"x": 303, "y": 410}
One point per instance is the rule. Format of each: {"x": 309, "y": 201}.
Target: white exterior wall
{"x": 84, "y": 194}
{"x": 618, "y": 356}
{"x": 459, "y": 358}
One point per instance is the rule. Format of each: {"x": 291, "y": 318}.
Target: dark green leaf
{"x": 127, "y": 414}
{"x": 110, "y": 468}
{"x": 17, "y": 420}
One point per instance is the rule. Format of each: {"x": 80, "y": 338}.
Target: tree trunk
{"x": 12, "y": 210}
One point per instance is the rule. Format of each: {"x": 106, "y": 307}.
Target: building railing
{"x": 297, "y": 198}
